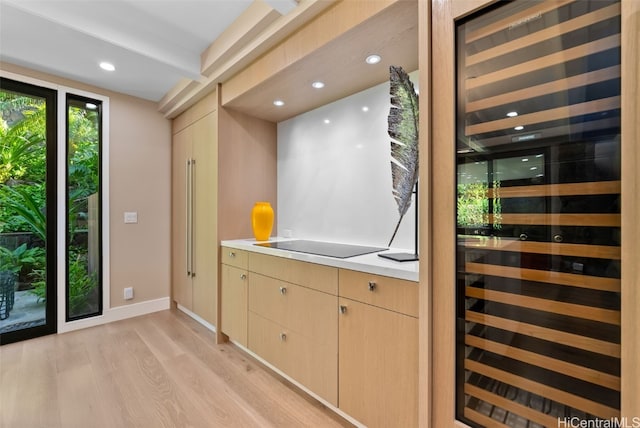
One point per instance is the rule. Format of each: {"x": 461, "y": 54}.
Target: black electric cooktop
{"x": 341, "y": 251}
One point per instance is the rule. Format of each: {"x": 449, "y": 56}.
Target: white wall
{"x": 334, "y": 179}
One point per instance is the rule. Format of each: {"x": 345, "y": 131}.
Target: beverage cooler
{"x": 538, "y": 213}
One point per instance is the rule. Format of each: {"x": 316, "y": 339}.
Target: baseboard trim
{"x": 198, "y": 318}
{"x": 118, "y": 313}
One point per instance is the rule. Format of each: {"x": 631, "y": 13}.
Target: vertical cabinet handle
{"x": 343, "y": 309}
{"x": 187, "y": 184}
{"x": 372, "y": 286}
{"x": 193, "y": 204}
{"x": 283, "y": 290}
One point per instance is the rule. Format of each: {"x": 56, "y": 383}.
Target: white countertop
{"x": 370, "y": 263}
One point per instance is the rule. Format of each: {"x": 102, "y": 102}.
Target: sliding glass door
{"x": 27, "y": 211}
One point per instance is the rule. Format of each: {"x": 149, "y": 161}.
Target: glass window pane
{"x": 84, "y": 291}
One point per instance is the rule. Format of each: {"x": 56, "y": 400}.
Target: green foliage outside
{"x": 23, "y": 188}
{"x": 473, "y": 205}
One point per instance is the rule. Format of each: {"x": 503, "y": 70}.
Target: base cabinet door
{"x": 378, "y": 365}
{"x": 234, "y": 303}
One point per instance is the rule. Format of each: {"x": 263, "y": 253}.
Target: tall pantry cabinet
{"x": 222, "y": 163}
{"x": 194, "y": 161}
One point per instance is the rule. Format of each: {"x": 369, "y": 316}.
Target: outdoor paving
{"x": 26, "y": 312}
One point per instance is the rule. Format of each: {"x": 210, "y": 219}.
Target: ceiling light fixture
{"x": 278, "y": 103}
{"x": 107, "y": 66}
{"x": 512, "y": 114}
{"x": 327, "y": 121}
{"x": 365, "y": 109}
{"x": 373, "y": 59}
{"x": 519, "y": 128}
{"x": 318, "y": 84}
{"x": 91, "y": 106}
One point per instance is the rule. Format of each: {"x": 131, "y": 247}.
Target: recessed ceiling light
{"x": 107, "y": 66}
{"x": 512, "y": 114}
{"x": 525, "y": 159}
{"x": 373, "y": 59}
{"x": 519, "y": 128}
{"x": 327, "y": 121}
{"x": 365, "y": 109}
{"x": 533, "y": 168}
{"x": 91, "y": 106}
{"x": 318, "y": 84}
{"x": 278, "y": 103}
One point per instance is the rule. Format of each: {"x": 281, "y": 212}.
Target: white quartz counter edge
{"x": 370, "y": 263}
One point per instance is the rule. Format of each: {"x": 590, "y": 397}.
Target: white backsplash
{"x": 334, "y": 179}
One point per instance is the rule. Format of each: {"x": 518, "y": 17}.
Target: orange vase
{"x": 262, "y": 220}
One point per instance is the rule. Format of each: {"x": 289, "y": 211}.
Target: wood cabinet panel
{"x": 319, "y": 277}
{"x": 234, "y": 303}
{"x": 205, "y": 254}
{"x": 308, "y": 312}
{"x": 389, "y": 293}
{"x": 312, "y": 364}
{"x": 378, "y": 365}
{"x": 194, "y": 196}
{"x": 181, "y": 281}
{"x": 233, "y": 257}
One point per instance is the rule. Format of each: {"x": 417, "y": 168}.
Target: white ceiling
{"x": 152, "y": 43}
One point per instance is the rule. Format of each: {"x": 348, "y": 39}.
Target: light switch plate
{"x": 131, "y": 217}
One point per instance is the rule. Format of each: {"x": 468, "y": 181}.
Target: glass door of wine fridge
{"x": 538, "y": 214}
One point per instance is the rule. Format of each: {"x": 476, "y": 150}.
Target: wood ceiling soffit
{"x": 183, "y": 96}
{"x": 327, "y": 27}
{"x": 242, "y": 31}
{"x": 387, "y": 28}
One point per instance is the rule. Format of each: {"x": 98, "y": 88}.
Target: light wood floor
{"x": 159, "y": 370}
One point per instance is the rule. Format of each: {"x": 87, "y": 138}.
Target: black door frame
{"x": 51, "y": 244}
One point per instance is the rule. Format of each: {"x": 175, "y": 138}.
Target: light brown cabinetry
{"x": 194, "y": 176}
{"x": 294, "y": 325}
{"x": 223, "y": 161}
{"x": 378, "y": 349}
{"x": 234, "y": 284}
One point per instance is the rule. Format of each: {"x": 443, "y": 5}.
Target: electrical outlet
{"x": 128, "y": 293}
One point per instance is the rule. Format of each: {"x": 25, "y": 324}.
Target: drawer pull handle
{"x": 283, "y": 290}
{"x": 343, "y": 309}
{"x": 243, "y": 276}
{"x": 372, "y": 286}
{"x": 232, "y": 254}
{"x": 283, "y": 337}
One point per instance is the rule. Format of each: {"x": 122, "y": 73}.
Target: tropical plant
{"x": 22, "y": 258}
{"x": 81, "y": 283}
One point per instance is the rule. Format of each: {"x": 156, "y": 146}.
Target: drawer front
{"x": 318, "y": 277}
{"x": 233, "y": 257}
{"x": 308, "y": 312}
{"x": 395, "y": 294}
{"x": 313, "y": 365}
